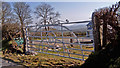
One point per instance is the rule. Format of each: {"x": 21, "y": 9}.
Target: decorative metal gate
{"x": 59, "y": 40}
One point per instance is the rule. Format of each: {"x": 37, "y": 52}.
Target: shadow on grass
{"x": 17, "y": 64}
{"x": 106, "y": 58}
{"x": 7, "y": 47}
{"x": 5, "y": 44}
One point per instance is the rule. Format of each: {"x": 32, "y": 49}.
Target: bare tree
{"x": 6, "y": 13}
{"x": 7, "y": 18}
{"x": 22, "y": 12}
{"x": 46, "y": 14}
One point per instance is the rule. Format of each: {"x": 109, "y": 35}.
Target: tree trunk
{"x": 22, "y": 30}
{"x": 45, "y": 27}
{"x": 24, "y": 42}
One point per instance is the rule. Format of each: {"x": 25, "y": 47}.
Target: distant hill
{"x": 78, "y": 28}
{"x": 74, "y": 27}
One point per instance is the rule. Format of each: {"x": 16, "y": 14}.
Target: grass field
{"x": 73, "y": 52}
{"x": 0, "y": 53}
{"x": 43, "y": 60}
{"x": 61, "y": 50}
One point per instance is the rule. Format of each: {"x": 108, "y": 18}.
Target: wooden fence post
{"x": 104, "y": 32}
{"x": 71, "y": 40}
{"x": 96, "y": 32}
